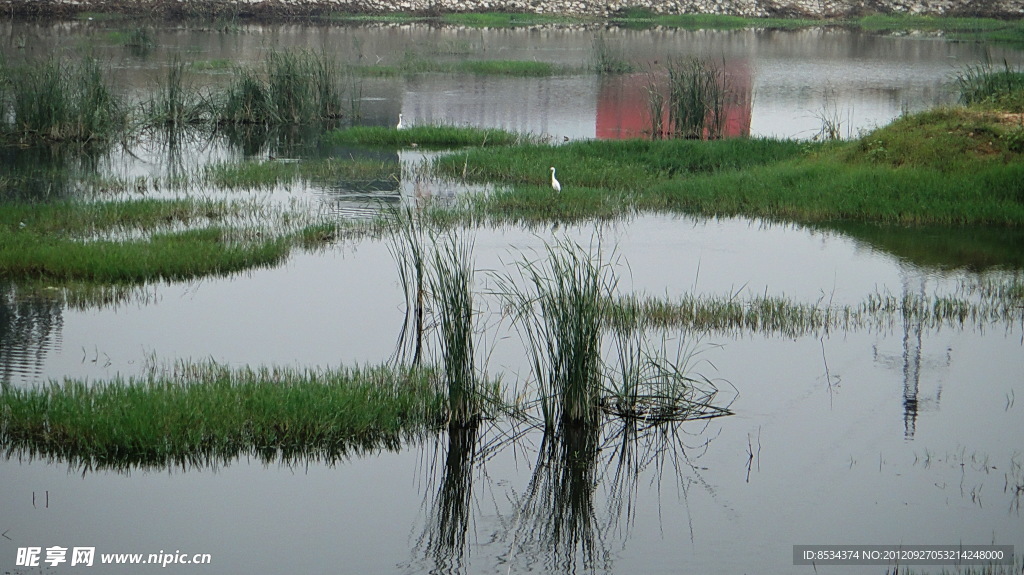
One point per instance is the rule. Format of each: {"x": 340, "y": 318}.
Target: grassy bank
{"x": 207, "y": 413}
{"x": 955, "y": 166}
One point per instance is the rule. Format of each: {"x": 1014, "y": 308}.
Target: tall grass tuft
{"x": 204, "y": 414}
{"x": 437, "y": 273}
{"x": 696, "y": 97}
{"x": 451, "y": 286}
{"x": 408, "y": 247}
{"x": 175, "y": 102}
{"x": 608, "y": 60}
{"x": 294, "y": 87}
{"x": 559, "y": 314}
{"x": 59, "y": 101}
{"x": 985, "y": 84}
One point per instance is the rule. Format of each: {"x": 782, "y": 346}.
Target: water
{"x": 904, "y": 434}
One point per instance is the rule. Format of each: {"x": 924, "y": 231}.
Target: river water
{"x": 899, "y": 434}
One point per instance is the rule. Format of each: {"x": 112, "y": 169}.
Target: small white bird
{"x": 399, "y": 126}
{"x": 554, "y": 182}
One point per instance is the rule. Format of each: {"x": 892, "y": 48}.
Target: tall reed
{"x": 175, "y": 101}
{"x": 57, "y": 100}
{"x": 436, "y": 273}
{"x": 559, "y": 314}
{"x": 294, "y": 87}
{"x": 451, "y": 287}
{"x": 985, "y": 83}
{"x": 697, "y": 92}
{"x": 408, "y": 247}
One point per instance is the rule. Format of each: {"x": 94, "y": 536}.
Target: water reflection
{"x": 30, "y": 327}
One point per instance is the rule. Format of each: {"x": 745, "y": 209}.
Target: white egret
{"x": 399, "y": 126}
{"x": 554, "y": 182}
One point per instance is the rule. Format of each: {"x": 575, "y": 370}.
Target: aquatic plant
{"x": 409, "y": 247}
{"x": 985, "y": 84}
{"x": 451, "y": 289}
{"x": 141, "y": 240}
{"x": 559, "y": 315}
{"x": 436, "y": 274}
{"x": 606, "y": 59}
{"x": 207, "y": 413}
{"x": 59, "y": 101}
{"x": 697, "y": 92}
{"x": 176, "y": 102}
{"x": 438, "y": 136}
{"x": 293, "y": 87}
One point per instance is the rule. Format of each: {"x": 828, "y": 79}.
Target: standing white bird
{"x": 554, "y": 182}
{"x": 399, "y": 126}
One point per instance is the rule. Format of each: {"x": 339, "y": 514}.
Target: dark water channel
{"x": 903, "y": 433}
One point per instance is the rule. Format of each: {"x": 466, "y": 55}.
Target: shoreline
{"x": 292, "y": 9}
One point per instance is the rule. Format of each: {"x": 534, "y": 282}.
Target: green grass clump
{"x": 176, "y": 102}
{"x": 985, "y": 85}
{"x": 508, "y": 68}
{"x": 135, "y": 241}
{"x": 426, "y": 135}
{"x": 503, "y": 20}
{"x": 207, "y": 413}
{"x": 628, "y": 165}
{"x": 293, "y": 87}
{"x": 559, "y": 313}
{"x": 58, "y": 101}
{"x": 271, "y": 173}
{"x": 416, "y": 64}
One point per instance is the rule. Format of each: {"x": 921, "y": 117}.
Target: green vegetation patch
{"x": 946, "y": 167}
{"x": 266, "y": 174}
{"x": 135, "y": 241}
{"x": 203, "y": 413}
{"x": 429, "y": 136}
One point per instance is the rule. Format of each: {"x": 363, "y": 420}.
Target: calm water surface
{"x": 900, "y": 435}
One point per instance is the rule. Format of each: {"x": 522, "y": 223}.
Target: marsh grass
{"x": 451, "y": 287}
{"x": 502, "y": 20}
{"x": 272, "y": 173}
{"x": 558, "y": 313}
{"x": 987, "y": 85}
{"x": 959, "y": 166}
{"x": 176, "y": 102}
{"x": 434, "y": 136}
{"x": 437, "y": 275}
{"x": 206, "y": 413}
{"x": 55, "y": 100}
{"x": 650, "y": 382}
{"x": 293, "y": 87}
{"x": 697, "y": 92}
{"x": 607, "y": 59}
{"x": 978, "y": 305}
{"x": 135, "y": 241}
{"x": 409, "y": 248}
{"x": 139, "y": 41}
